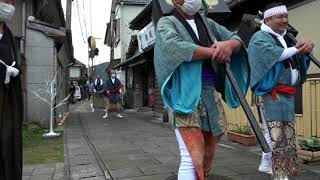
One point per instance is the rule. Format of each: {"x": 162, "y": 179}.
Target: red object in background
{"x": 151, "y": 97}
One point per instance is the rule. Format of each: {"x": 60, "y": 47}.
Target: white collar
{"x": 96, "y": 82}
{"x": 267, "y": 29}
{"x": 1, "y": 35}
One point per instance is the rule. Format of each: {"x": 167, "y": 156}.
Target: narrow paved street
{"x": 140, "y": 147}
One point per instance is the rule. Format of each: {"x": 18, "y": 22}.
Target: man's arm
{"x": 224, "y": 50}
{"x": 228, "y": 43}
{"x": 203, "y": 53}
{"x": 221, "y": 51}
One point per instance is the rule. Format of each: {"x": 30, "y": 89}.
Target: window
{"x": 130, "y": 78}
{"x": 117, "y": 32}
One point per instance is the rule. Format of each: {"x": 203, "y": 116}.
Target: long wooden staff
{"x": 252, "y": 120}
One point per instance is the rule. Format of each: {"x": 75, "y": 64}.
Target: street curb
{"x": 66, "y": 156}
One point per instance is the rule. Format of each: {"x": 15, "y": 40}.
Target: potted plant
{"x": 242, "y": 135}
{"x": 310, "y": 150}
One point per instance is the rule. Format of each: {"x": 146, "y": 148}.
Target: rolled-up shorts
{"x": 209, "y": 116}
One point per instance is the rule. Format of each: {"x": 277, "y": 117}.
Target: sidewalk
{"x": 141, "y": 147}
{"x": 53, "y": 171}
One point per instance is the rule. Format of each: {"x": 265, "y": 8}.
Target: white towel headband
{"x": 275, "y": 11}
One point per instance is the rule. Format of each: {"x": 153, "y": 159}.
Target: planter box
{"x": 309, "y": 156}
{"x": 248, "y": 140}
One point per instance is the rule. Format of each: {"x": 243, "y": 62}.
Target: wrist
{"x": 234, "y": 44}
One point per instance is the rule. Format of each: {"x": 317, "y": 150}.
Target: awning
{"x": 127, "y": 62}
{"x": 135, "y": 60}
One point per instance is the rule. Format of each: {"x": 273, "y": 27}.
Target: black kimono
{"x": 114, "y": 90}
{"x": 114, "y": 95}
{"x": 11, "y": 114}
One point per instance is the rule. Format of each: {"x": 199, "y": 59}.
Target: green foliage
{"x": 310, "y": 144}
{"x": 245, "y": 130}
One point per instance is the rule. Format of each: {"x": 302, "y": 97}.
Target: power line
{"x": 90, "y": 18}
{"x": 84, "y": 39}
{"x": 84, "y": 18}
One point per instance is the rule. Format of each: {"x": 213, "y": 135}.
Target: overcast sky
{"x": 100, "y": 11}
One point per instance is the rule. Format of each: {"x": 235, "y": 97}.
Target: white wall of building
{"x": 127, "y": 13}
{"x": 306, "y": 20}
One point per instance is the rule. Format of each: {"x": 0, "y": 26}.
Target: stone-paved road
{"x": 140, "y": 147}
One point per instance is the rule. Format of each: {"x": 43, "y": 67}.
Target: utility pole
{"x": 68, "y": 14}
{"x": 92, "y": 67}
{"x": 112, "y": 24}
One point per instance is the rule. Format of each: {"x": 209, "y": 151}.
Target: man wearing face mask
{"x": 184, "y": 60}
{"x": 11, "y": 110}
{"x": 113, "y": 93}
{"x": 278, "y": 67}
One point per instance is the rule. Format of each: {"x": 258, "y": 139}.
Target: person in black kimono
{"x": 11, "y": 107}
{"x": 113, "y": 93}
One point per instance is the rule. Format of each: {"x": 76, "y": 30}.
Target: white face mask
{"x": 191, "y": 7}
{"x": 6, "y": 12}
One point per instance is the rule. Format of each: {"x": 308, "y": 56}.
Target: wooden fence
{"x": 307, "y": 123}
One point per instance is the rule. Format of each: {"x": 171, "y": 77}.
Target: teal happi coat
{"x": 179, "y": 78}
{"x": 267, "y": 72}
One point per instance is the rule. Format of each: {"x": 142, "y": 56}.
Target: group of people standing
{"x": 188, "y": 68}
{"x": 111, "y": 91}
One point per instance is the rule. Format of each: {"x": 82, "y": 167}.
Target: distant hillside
{"x": 101, "y": 69}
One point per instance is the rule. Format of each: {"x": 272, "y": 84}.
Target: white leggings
{"x": 187, "y": 170}
{"x": 268, "y": 139}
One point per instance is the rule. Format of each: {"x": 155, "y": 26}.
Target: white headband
{"x": 275, "y": 11}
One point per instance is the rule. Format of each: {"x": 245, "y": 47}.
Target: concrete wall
{"x": 40, "y": 66}
{"x": 62, "y": 88}
{"x": 306, "y": 20}
{"x": 127, "y": 13}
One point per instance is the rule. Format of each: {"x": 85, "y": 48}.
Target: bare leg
{"x": 210, "y": 147}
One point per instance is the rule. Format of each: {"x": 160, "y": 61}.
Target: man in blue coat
{"x": 277, "y": 67}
